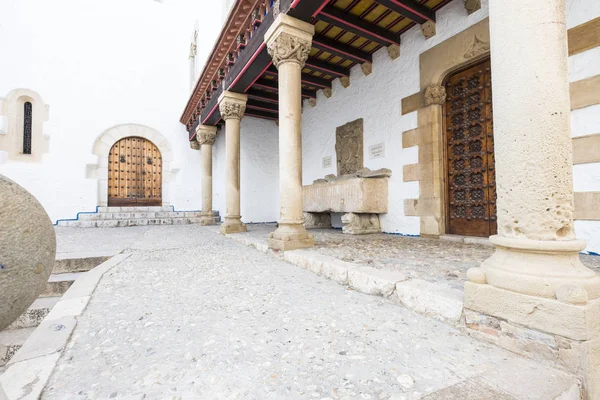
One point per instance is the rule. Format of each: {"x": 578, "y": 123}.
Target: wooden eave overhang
{"x": 347, "y": 33}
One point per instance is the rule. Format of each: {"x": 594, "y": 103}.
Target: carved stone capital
{"x": 232, "y": 105}
{"x": 435, "y": 95}
{"x": 289, "y": 40}
{"x": 288, "y": 48}
{"x": 194, "y": 145}
{"x": 206, "y": 134}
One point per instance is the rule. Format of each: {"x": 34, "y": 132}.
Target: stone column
{"x": 232, "y": 107}
{"x": 535, "y": 277}
{"x": 205, "y": 136}
{"x": 289, "y": 42}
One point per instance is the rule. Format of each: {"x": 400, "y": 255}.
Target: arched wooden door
{"x": 134, "y": 173}
{"x": 471, "y": 179}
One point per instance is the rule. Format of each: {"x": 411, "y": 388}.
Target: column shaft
{"x": 536, "y": 250}
{"x": 290, "y": 143}
{"x": 232, "y": 156}
{"x": 289, "y": 42}
{"x": 207, "y": 204}
{"x": 532, "y": 126}
{"x": 232, "y": 107}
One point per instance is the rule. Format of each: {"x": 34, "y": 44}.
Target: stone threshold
{"x": 434, "y": 301}
{"x": 29, "y": 370}
{"x": 467, "y": 239}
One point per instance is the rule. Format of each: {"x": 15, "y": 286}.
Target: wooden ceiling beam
{"x": 326, "y": 68}
{"x": 272, "y": 85}
{"x": 357, "y": 26}
{"x": 306, "y": 79}
{"x": 341, "y": 50}
{"x": 262, "y": 96}
{"x": 261, "y": 114}
{"x": 410, "y": 9}
{"x": 262, "y": 106}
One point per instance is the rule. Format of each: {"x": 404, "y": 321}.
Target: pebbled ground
{"x": 194, "y": 315}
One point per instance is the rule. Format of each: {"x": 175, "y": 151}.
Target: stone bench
{"x": 361, "y": 197}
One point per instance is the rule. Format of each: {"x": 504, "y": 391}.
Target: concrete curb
{"x": 430, "y": 299}
{"x": 30, "y": 369}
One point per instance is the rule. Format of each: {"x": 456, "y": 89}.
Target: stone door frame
{"x": 108, "y": 138}
{"x": 468, "y": 47}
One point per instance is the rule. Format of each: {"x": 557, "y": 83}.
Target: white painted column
{"x": 232, "y": 107}
{"x": 205, "y": 135}
{"x": 289, "y": 43}
{"x": 536, "y": 248}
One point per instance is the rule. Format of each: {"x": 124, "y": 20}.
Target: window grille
{"x": 27, "y": 120}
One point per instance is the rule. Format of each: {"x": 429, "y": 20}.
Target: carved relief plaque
{"x": 349, "y": 147}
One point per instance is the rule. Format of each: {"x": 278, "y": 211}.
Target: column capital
{"x": 289, "y": 40}
{"x": 435, "y": 95}
{"x": 206, "y": 134}
{"x": 232, "y": 105}
{"x": 194, "y": 145}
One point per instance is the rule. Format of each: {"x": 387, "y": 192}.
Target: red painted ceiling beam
{"x": 410, "y": 9}
{"x": 357, "y": 26}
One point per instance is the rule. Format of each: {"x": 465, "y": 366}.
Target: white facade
{"x": 97, "y": 68}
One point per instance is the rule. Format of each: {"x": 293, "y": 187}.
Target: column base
{"x": 232, "y": 225}
{"x": 291, "y": 237}
{"x": 571, "y": 332}
{"x": 208, "y": 220}
{"x": 550, "y": 269}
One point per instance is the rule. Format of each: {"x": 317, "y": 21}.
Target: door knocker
{"x": 122, "y": 159}
{"x": 149, "y": 160}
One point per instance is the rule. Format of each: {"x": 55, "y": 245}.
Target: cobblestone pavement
{"x": 433, "y": 260}
{"x": 194, "y": 315}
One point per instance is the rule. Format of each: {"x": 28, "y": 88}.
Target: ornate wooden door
{"x": 471, "y": 180}
{"x": 134, "y": 173}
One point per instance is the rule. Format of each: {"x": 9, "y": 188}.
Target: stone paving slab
{"x": 440, "y": 261}
{"x": 193, "y": 315}
{"x": 30, "y": 368}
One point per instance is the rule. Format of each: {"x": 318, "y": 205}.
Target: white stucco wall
{"x": 259, "y": 171}
{"x": 585, "y": 121}
{"x": 99, "y": 64}
{"x": 377, "y": 99}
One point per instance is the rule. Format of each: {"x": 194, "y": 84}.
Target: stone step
{"x": 84, "y": 264}
{"x": 139, "y": 215}
{"x": 11, "y": 340}
{"x": 35, "y": 313}
{"x": 135, "y": 209}
{"x": 112, "y": 223}
{"x": 58, "y": 284}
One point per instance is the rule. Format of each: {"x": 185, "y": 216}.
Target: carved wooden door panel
{"x": 134, "y": 173}
{"x": 471, "y": 180}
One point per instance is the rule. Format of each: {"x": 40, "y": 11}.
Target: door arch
{"x": 469, "y": 149}
{"x": 134, "y": 173}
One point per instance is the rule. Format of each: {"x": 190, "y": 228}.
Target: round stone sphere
{"x": 27, "y": 250}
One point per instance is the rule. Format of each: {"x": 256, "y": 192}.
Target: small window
{"x": 27, "y": 120}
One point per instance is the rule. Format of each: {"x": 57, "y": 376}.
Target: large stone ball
{"x": 27, "y": 250}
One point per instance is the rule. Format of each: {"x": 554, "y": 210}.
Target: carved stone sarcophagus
{"x": 356, "y": 195}
{"x": 362, "y": 197}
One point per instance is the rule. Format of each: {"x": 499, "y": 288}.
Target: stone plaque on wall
{"x": 377, "y": 151}
{"x": 349, "y": 147}
{"x": 327, "y": 162}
